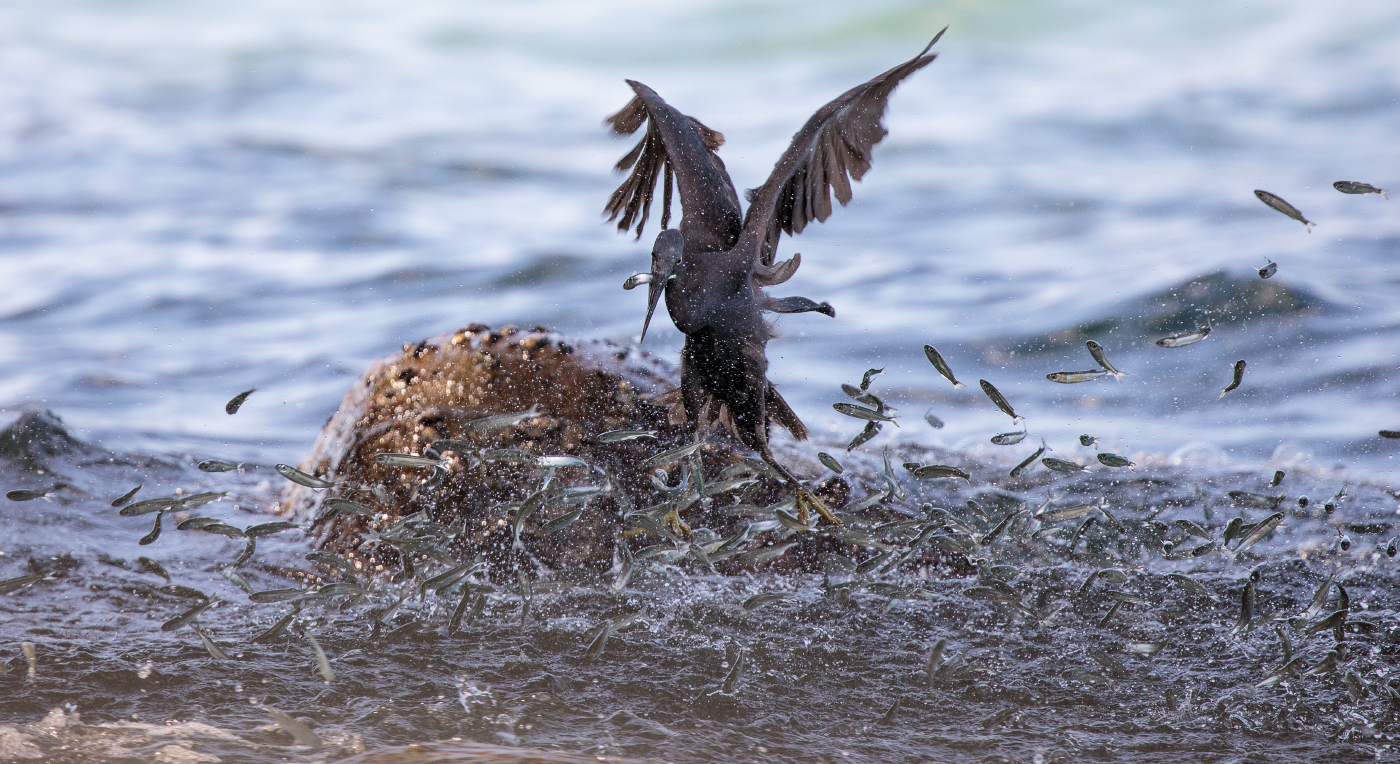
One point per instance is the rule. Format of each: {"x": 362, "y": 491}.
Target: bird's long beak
{"x": 665, "y": 254}
{"x": 654, "y": 292}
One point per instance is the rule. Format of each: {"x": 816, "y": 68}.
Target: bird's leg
{"x": 804, "y": 497}
{"x": 674, "y": 522}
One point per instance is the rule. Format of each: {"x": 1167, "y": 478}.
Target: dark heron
{"x": 713, "y": 268}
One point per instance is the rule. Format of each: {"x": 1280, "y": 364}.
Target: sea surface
{"x": 200, "y": 198}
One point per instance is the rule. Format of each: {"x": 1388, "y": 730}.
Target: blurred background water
{"x": 196, "y": 198}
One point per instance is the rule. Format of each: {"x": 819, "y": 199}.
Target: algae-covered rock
{"x": 467, "y": 506}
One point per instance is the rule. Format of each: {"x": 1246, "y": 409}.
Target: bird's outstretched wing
{"x": 835, "y": 143}
{"x": 683, "y": 150}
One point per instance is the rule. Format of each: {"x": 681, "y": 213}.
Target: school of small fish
{"x": 870, "y": 551}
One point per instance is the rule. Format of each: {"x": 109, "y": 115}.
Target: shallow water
{"x": 197, "y": 199}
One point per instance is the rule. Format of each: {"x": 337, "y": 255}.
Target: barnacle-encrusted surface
{"x": 432, "y": 390}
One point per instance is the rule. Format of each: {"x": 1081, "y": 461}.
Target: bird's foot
{"x": 806, "y": 500}
{"x": 674, "y": 522}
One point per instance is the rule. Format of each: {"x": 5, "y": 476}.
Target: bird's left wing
{"x": 682, "y": 150}
{"x": 835, "y": 143}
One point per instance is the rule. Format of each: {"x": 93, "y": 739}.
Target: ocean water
{"x": 199, "y": 198}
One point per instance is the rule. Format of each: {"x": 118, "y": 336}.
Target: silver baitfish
{"x": 830, "y": 462}
{"x": 322, "y": 665}
{"x": 636, "y": 280}
{"x": 301, "y": 478}
{"x": 276, "y": 595}
{"x": 1352, "y": 187}
{"x": 1061, "y": 465}
{"x": 999, "y": 399}
{"x": 772, "y": 552}
{"x": 759, "y": 600}
{"x": 1047, "y": 515}
{"x": 217, "y": 465}
{"x": 1190, "y": 584}
{"x": 151, "y": 566}
{"x": 1021, "y": 468}
{"x": 1269, "y": 270}
{"x": 1234, "y": 383}
{"x": 563, "y": 521}
{"x": 1101, "y": 358}
{"x": 443, "y": 445}
{"x": 1246, "y": 609}
{"x": 215, "y": 651}
{"x": 790, "y": 522}
{"x": 332, "y": 560}
{"x": 406, "y": 460}
{"x": 236, "y": 401}
{"x": 187, "y": 616}
{"x": 732, "y": 678}
{"x": 223, "y": 529}
{"x": 299, "y": 732}
{"x": 869, "y": 374}
{"x": 1259, "y": 531}
{"x": 860, "y": 412}
{"x": 622, "y": 436}
{"x": 600, "y": 641}
{"x": 1088, "y": 441}
{"x": 26, "y": 494}
{"x": 935, "y": 659}
{"x": 10, "y": 585}
{"x": 931, "y": 471}
{"x": 1193, "y": 528}
{"x": 871, "y": 430}
{"x": 1008, "y": 438}
{"x": 128, "y": 496}
{"x": 508, "y": 455}
{"x": 861, "y": 396}
{"x": 1114, "y": 460}
{"x": 560, "y": 460}
{"x": 1182, "y": 340}
{"x": 336, "y": 506}
{"x": 487, "y": 424}
{"x": 1074, "y": 377}
{"x": 146, "y": 507}
{"x": 1280, "y": 205}
{"x": 674, "y": 455}
{"x": 937, "y": 423}
{"x": 183, "y": 592}
{"x": 941, "y": 365}
{"x": 150, "y": 538}
{"x": 1278, "y": 478}
{"x": 267, "y": 529}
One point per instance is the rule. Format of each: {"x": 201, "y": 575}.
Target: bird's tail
{"x": 780, "y": 412}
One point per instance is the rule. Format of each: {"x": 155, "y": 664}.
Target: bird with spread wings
{"x": 713, "y": 268}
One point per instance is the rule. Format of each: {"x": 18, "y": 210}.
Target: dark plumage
{"x": 712, "y": 269}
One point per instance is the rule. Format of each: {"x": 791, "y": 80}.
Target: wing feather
{"x": 830, "y": 151}
{"x": 682, "y": 149}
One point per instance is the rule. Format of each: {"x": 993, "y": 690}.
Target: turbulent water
{"x": 197, "y": 199}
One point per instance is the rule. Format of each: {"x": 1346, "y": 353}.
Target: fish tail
{"x": 958, "y": 385}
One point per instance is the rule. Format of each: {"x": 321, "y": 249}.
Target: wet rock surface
{"x": 465, "y": 504}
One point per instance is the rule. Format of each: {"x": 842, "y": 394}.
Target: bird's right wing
{"x": 683, "y": 150}
{"x": 835, "y": 143}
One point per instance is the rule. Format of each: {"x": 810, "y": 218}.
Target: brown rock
{"x": 432, "y": 390}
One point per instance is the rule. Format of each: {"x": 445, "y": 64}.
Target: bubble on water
{"x": 1201, "y": 455}
{"x": 1290, "y": 454}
